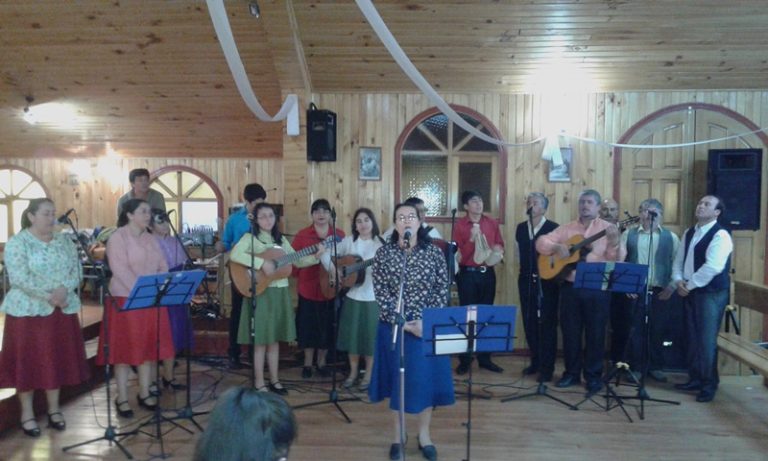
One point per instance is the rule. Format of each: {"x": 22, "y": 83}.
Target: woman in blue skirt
{"x": 428, "y": 379}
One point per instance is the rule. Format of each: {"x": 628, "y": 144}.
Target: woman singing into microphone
{"x": 428, "y": 380}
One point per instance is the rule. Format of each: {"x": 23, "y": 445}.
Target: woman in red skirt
{"x": 42, "y": 343}
{"x": 136, "y": 337}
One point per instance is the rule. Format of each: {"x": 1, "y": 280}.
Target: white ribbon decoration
{"x": 551, "y": 148}
{"x": 290, "y": 109}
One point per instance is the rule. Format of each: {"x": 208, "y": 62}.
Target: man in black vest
{"x": 655, "y": 246}
{"x": 530, "y": 295}
{"x": 701, "y": 272}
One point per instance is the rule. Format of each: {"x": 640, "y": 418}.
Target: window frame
{"x": 10, "y": 203}
{"x": 207, "y": 179}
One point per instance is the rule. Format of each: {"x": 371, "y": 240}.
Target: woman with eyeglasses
{"x": 42, "y": 342}
{"x": 428, "y": 379}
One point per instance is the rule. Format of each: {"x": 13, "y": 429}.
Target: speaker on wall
{"x": 321, "y": 135}
{"x": 734, "y": 175}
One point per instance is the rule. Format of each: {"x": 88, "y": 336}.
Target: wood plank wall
{"x": 378, "y": 120}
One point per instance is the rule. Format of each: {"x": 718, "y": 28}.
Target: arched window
{"x": 194, "y": 197}
{"x": 17, "y": 188}
{"x": 437, "y": 160}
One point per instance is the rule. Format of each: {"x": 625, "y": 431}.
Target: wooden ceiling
{"x": 148, "y": 78}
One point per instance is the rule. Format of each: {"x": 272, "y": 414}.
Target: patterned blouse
{"x": 426, "y": 280}
{"x": 35, "y": 268}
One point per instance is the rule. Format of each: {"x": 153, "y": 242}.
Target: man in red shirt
{"x": 314, "y": 316}
{"x": 480, "y": 247}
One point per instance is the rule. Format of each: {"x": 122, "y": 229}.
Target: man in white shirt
{"x": 701, "y": 271}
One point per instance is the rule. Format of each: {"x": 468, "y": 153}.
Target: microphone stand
{"x": 398, "y": 336}
{"x": 536, "y": 297}
{"x": 253, "y": 300}
{"x": 110, "y": 433}
{"x": 451, "y": 257}
{"x": 333, "y": 395}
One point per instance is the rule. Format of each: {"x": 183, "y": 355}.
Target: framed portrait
{"x": 370, "y": 164}
{"x": 562, "y": 173}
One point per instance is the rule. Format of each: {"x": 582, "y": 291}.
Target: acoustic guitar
{"x": 351, "y": 273}
{"x": 554, "y": 267}
{"x": 241, "y": 274}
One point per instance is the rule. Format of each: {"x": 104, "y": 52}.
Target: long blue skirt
{"x": 428, "y": 379}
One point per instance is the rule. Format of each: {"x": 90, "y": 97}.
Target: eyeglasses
{"x": 407, "y": 218}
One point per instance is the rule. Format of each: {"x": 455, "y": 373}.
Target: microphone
{"x": 407, "y": 237}
{"x": 64, "y": 219}
{"x": 453, "y": 212}
{"x": 529, "y": 210}
{"x": 333, "y": 213}
{"x": 653, "y": 214}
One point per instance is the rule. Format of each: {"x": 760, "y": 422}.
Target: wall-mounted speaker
{"x": 734, "y": 175}
{"x": 321, "y": 135}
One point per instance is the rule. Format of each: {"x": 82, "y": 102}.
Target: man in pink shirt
{"x": 584, "y": 311}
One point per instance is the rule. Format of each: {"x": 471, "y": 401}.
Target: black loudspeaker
{"x": 671, "y": 322}
{"x": 734, "y": 175}
{"x": 321, "y": 135}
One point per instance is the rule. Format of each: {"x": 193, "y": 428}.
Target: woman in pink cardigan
{"x": 133, "y": 335}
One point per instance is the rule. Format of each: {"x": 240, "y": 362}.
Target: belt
{"x": 481, "y": 269}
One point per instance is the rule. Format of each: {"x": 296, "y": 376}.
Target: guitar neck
{"x": 290, "y": 258}
{"x": 358, "y": 266}
{"x": 587, "y": 241}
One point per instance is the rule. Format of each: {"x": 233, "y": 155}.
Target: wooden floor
{"x": 733, "y": 427}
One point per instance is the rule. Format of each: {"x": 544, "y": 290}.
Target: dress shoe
{"x": 567, "y": 381}
{"x": 593, "y": 387}
{"x": 173, "y": 384}
{"x": 463, "y": 368}
{"x": 689, "y": 386}
{"x": 59, "y": 425}
{"x": 705, "y": 396}
{"x": 429, "y": 452}
{"x": 277, "y": 388}
{"x": 530, "y": 370}
{"x": 34, "y": 431}
{"x": 490, "y": 366}
{"x": 144, "y": 404}
{"x": 306, "y": 372}
{"x": 658, "y": 376}
{"x": 154, "y": 389}
{"x": 123, "y": 409}
{"x": 395, "y": 452}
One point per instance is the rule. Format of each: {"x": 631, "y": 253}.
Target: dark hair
{"x": 129, "y": 207}
{"x": 422, "y": 234}
{"x": 32, "y": 208}
{"x": 374, "y": 227}
{"x": 468, "y": 195}
{"x": 159, "y": 216}
{"x": 136, "y": 172}
{"x": 595, "y": 195}
{"x": 720, "y": 204}
{"x": 274, "y": 232}
{"x": 320, "y": 203}
{"x": 247, "y": 425}
{"x": 414, "y": 201}
{"x": 253, "y": 192}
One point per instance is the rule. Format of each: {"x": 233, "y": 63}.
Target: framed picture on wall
{"x": 370, "y": 164}
{"x": 562, "y": 173}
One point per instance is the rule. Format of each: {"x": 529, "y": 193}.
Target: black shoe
{"x": 429, "y": 452}
{"x": 567, "y": 381}
{"x": 658, "y": 376}
{"x": 705, "y": 396}
{"x": 122, "y": 411}
{"x": 593, "y": 387}
{"x": 689, "y": 386}
{"x": 395, "y": 452}
{"x": 59, "y": 425}
{"x": 278, "y": 390}
{"x": 463, "y": 368}
{"x": 306, "y": 372}
{"x": 154, "y": 389}
{"x": 530, "y": 370}
{"x": 173, "y": 384}
{"x": 143, "y": 402}
{"x": 490, "y": 366}
{"x": 34, "y": 432}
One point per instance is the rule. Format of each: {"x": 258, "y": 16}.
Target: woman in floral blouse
{"x": 428, "y": 379}
{"x": 42, "y": 343}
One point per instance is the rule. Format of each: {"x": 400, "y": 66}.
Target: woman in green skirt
{"x": 360, "y": 314}
{"x": 274, "y": 318}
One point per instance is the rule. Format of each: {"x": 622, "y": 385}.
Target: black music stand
{"x": 614, "y": 277}
{"x": 468, "y": 329}
{"x": 156, "y": 291}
